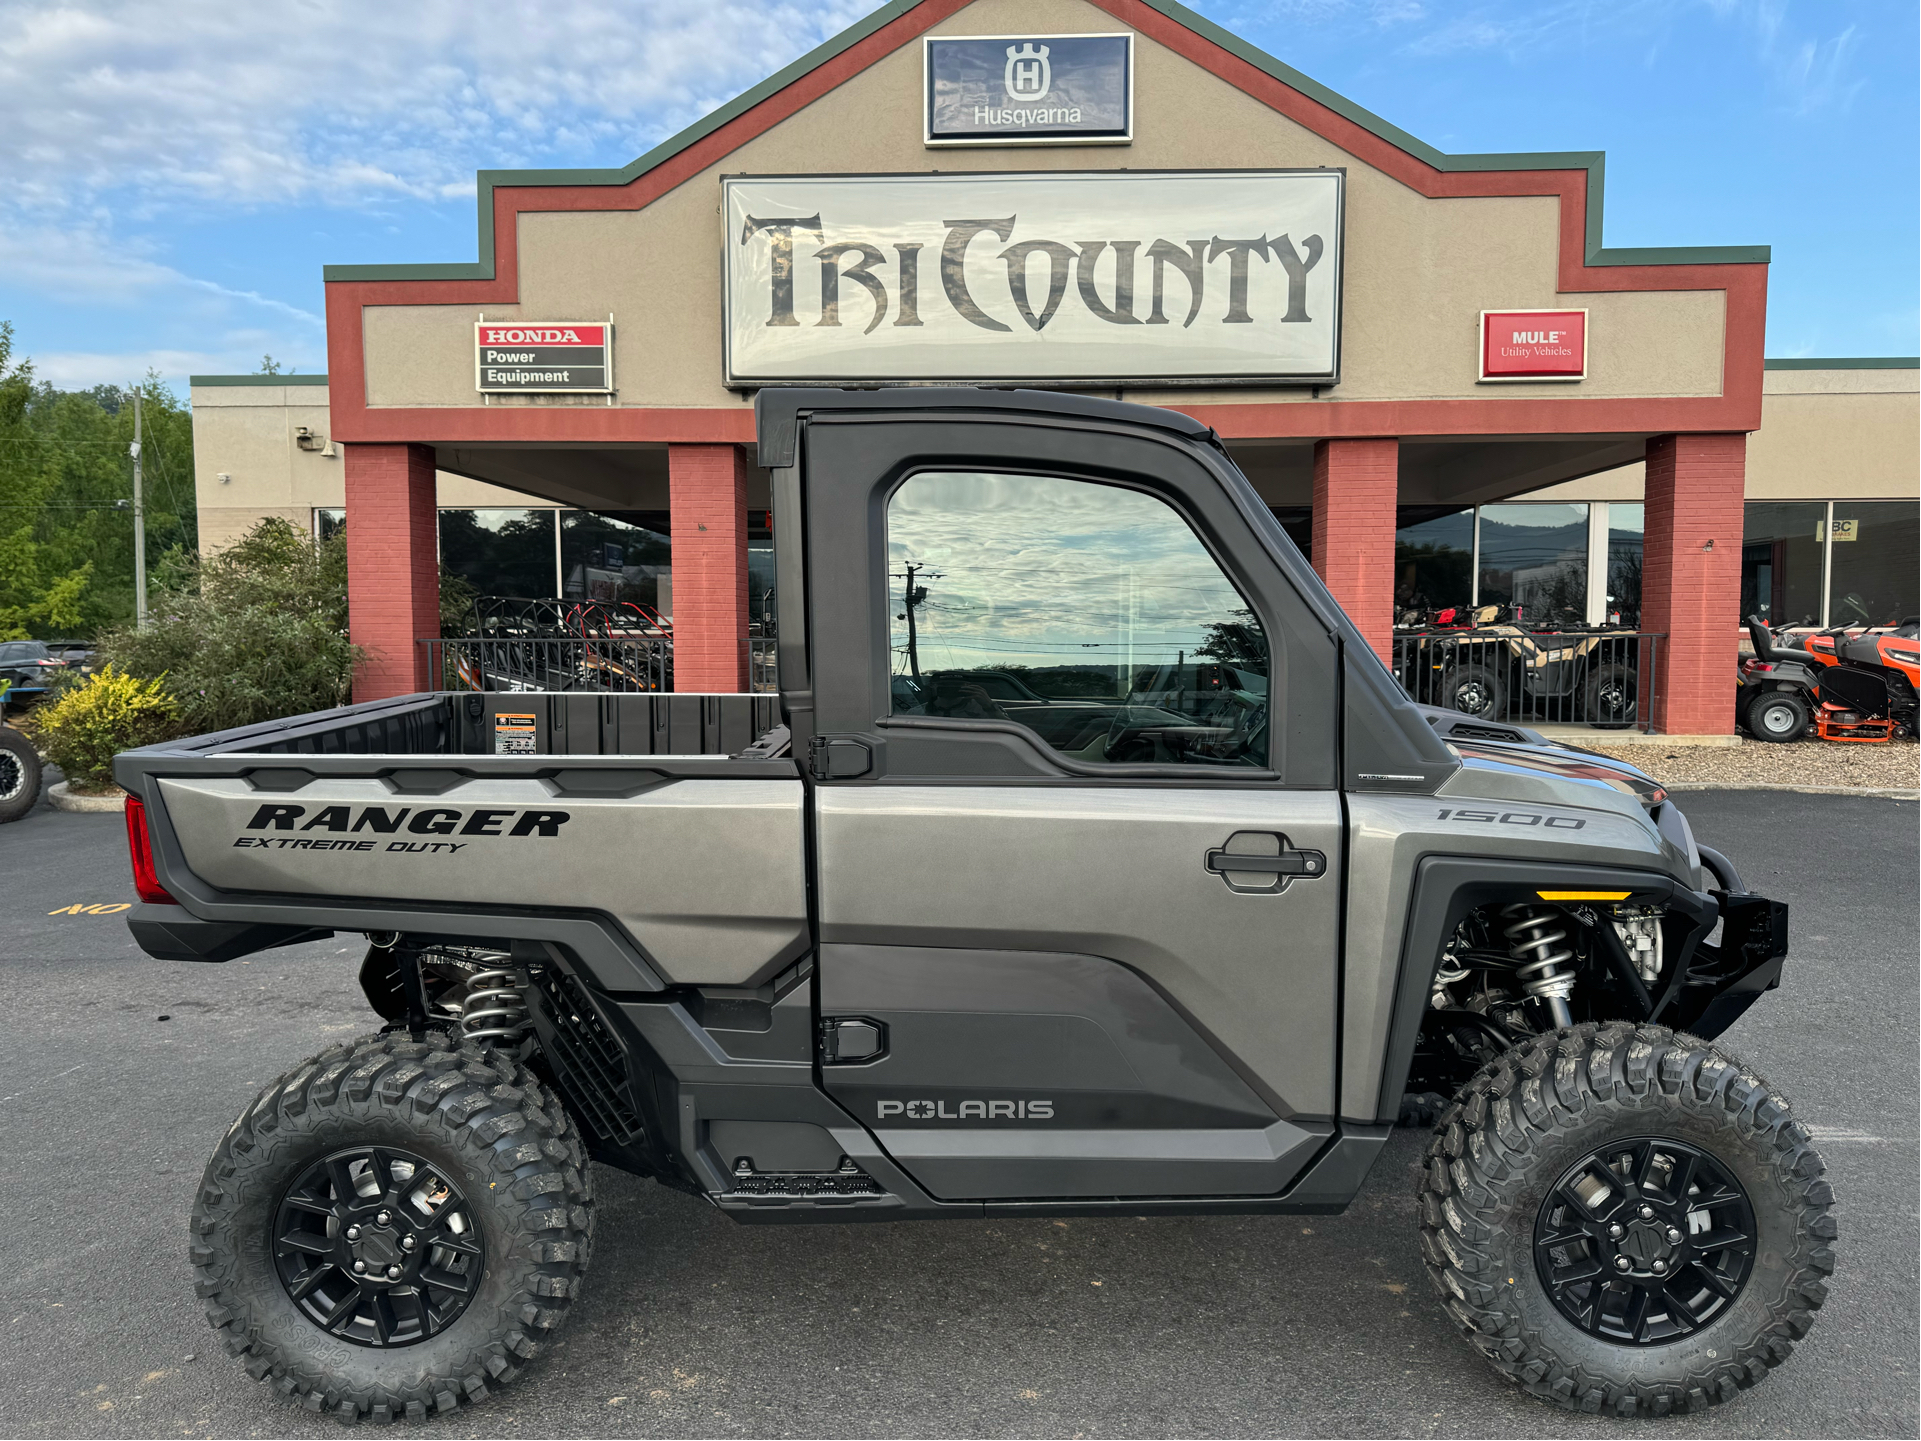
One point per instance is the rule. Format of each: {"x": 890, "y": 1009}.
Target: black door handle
{"x": 1288, "y": 863}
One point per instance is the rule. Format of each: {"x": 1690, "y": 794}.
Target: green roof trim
{"x": 1847, "y": 362}
{"x": 256, "y": 380}
{"x": 1592, "y": 161}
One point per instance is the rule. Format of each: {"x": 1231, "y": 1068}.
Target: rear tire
{"x": 518, "y": 1178}
{"x": 19, "y": 775}
{"x": 1517, "y": 1144}
{"x": 1779, "y": 716}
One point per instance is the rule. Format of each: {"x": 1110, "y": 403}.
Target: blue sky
{"x": 174, "y": 173}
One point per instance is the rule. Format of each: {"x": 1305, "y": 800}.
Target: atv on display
{"x": 1482, "y": 664}
{"x": 1123, "y": 880}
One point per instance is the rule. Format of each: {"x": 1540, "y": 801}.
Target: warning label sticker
{"x": 514, "y": 735}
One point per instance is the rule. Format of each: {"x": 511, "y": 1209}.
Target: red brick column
{"x": 393, "y": 566}
{"x": 707, "y": 496}
{"x": 1691, "y": 577}
{"x": 1356, "y": 483}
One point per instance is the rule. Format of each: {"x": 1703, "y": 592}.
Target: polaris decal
{"x": 425, "y": 821}
{"x": 969, "y": 1110}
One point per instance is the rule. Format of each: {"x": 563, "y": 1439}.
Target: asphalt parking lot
{"x": 118, "y": 1074}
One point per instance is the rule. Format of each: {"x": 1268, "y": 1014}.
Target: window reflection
{"x": 1781, "y": 562}
{"x": 1089, "y": 613}
{"x": 1872, "y": 579}
{"x": 1534, "y": 561}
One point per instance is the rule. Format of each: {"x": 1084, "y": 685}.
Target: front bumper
{"x": 1723, "y": 980}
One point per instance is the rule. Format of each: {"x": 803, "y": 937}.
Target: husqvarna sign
{"x": 1029, "y": 89}
{"x": 1103, "y": 277}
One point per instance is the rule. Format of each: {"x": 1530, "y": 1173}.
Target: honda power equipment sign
{"x": 1104, "y": 278}
{"x": 543, "y": 356}
{"x": 1029, "y": 89}
{"x": 1533, "y": 344}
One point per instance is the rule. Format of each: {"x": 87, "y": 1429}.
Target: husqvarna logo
{"x": 1028, "y": 76}
{"x": 966, "y": 1110}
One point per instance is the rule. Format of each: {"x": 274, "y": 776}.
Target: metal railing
{"x": 1601, "y": 678}
{"x": 530, "y": 663}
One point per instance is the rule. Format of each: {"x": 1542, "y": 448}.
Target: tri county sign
{"x": 1099, "y": 277}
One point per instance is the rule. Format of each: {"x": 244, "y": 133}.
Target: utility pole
{"x": 139, "y": 525}
{"x": 915, "y": 596}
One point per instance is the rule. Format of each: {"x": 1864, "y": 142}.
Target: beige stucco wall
{"x": 247, "y": 432}
{"x": 1845, "y": 433}
{"x": 1417, "y": 271}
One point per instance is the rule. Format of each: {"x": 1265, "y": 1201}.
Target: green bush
{"x": 93, "y": 722}
{"x": 253, "y": 633}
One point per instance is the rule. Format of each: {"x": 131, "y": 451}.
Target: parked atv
{"x": 1499, "y": 669}
{"x": 19, "y": 766}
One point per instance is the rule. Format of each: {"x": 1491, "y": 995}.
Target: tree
{"x": 66, "y": 490}
{"x": 252, "y": 633}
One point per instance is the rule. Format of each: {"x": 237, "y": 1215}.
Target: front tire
{"x": 453, "y": 1166}
{"x": 1474, "y": 689}
{"x": 1548, "y": 1226}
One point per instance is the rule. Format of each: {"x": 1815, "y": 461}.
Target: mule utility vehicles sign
{"x": 543, "y": 356}
{"x": 1088, "y": 863}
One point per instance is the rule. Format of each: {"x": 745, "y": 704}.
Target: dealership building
{"x": 1431, "y": 368}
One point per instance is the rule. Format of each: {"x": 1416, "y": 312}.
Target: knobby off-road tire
{"x": 19, "y": 775}
{"x": 479, "y": 1118}
{"x": 1510, "y": 1137}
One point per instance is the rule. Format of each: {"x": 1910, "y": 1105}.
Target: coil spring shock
{"x": 1540, "y": 951}
{"x": 492, "y": 1008}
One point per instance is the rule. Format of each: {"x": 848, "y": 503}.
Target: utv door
{"x": 1076, "y": 818}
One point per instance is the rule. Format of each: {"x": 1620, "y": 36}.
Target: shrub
{"x": 93, "y": 722}
{"x": 253, "y": 633}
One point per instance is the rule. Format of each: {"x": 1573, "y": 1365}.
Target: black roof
{"x": 777, "y": 410}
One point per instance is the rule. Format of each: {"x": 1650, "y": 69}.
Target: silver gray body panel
{"x": 1115, "y": 872}
{"x": 1500, "y": 812}
{"x": 983, "y": 1165}
{"x": 706, "y": 876}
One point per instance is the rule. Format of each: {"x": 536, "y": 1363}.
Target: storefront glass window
{"x": 624, "y": 555}
{"x": 1534, "y": 559}
{"x": 1875, "y": 545}
{"x": 500, "y": 552}
{"x": 1627, "y": 537}
{"x": 1298, "y": 522}
{"x": 1433, "y": 562}
{"x": 1781, "y": 562}
{"x": 328, "y": 523}
{"x": 760, "y": 571}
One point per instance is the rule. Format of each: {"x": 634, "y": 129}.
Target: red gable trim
{"x": 1738, "y": 408}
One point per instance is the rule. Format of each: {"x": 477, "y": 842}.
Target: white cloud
{"x": 190, "y": 101}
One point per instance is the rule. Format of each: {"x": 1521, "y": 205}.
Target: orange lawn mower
{"x": 1860, "y": 688}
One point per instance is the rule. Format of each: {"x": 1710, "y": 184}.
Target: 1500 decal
{"x": 1514, "y": 818}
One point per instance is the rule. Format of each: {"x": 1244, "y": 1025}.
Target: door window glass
{"x": 1088, "y": 613}
{"x": 1871, "y": 564}
{"x": 1781, "y": 562}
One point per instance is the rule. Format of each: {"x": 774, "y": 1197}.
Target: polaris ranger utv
{"x": 1087, "y": 862}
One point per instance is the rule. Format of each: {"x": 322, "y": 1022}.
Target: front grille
{"x": 588, "y": 1063}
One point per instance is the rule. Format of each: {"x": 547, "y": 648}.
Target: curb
{"x": 1884, "y": 792}
{"x": 64, "y": 799}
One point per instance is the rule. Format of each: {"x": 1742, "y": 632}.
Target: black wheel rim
{"x": 1471, "y": 698}
{"x": 13, "y": 776}
{"x": 1645, "y": 1241}
{"x": 377, "y": 1247}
